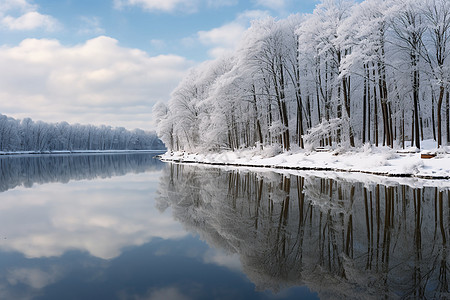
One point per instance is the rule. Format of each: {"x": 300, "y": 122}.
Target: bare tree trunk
{"x": 346, "y": 89}
{"x": 439, "y": 115}
{"x": 412, "y": 129}
{"x": 368, "y": 103}
{"x": 299, "y": 102}
{"x": 258, "y": 123}
{"x": 391, "y": 126}
{"x": 318, "y": 86}
{"x": 309, "y": 113}
{"x": 448, "y": 117}
{"x": 433, "y": 114}
{"x": 384, "y": 105}
{"x": 389, "y": 111}
{"x": 287, "y": 143}
{"x": 403, "y": 129}
{"x": 375, "y": 108}
{"x": 364, "y": 108}
{"x": 416, "y": 103}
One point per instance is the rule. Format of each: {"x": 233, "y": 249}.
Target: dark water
{"x": 130, "y": 227}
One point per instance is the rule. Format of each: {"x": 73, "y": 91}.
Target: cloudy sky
{"x": 108, "y": 61}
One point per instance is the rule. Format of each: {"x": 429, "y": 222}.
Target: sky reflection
{"x": 100, "y": 217}
{"x": 145, "y": 272}
{"x": 96, "y": 231}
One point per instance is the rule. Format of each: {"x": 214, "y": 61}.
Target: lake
{"x": 127, "y": 226}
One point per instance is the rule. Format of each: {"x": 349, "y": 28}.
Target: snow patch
{"x": 367, "y": 159}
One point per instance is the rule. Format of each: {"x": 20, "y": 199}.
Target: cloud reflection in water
{"x": 100, "y": 217}
{"x": 103, "y": 235}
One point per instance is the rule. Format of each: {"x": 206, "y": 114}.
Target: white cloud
{"x": 22, "y": 5}
{"x": 158, "y": 5}
{"x": 225, "y": 38}
{"x": 97, "y": 82}
{"x": 29, "y": 21}
{"x": 21, "y": 15}
{"x": 220, "y": 258}
{"x": 188, "y": 6}
{"x": 34, "y": 278}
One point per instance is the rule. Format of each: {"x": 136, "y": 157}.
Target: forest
{"x": 27, "y": 135}
{"x": 348, "y": 74}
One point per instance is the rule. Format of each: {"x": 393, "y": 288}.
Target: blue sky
{"x": 109, "y": 61}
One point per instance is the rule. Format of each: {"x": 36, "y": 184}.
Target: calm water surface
{"x": 127, "y": 226}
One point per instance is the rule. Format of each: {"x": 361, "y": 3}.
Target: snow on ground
{"x": 368, "y": 160}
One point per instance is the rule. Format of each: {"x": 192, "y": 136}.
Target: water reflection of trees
{"x": 27, "y": 170}
{"x": 342, "y": 239}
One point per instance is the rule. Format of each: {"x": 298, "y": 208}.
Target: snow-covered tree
{"x": 437, "y": 16}
{"x": 373, "y": 69}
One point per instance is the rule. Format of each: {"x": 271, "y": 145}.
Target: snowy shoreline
{"x": 14, "y": 153}
{"x": 380, "y": 161}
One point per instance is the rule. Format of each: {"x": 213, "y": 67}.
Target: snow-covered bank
{"x": 77, "y": 152}
{"x": 369, "y": 160}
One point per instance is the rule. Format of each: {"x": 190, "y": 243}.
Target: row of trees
{"x": 349, "y": 73}
{"x": 27, "y": 135}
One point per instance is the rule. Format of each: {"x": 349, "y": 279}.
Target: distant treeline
{"x": 27, "y": 135}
